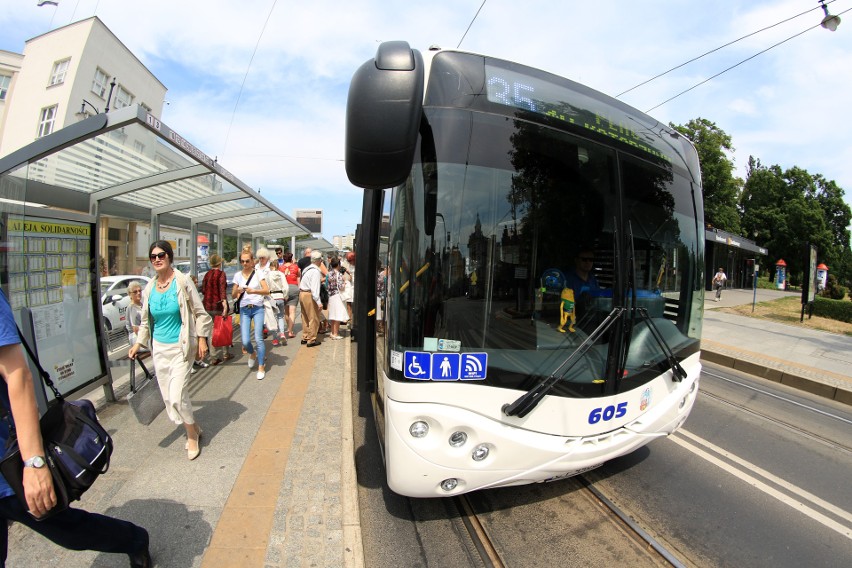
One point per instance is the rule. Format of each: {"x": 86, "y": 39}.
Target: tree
{"x": 785, "y": 211}
{"x": 721, "y": 188}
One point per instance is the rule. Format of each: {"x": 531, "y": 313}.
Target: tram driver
{"x": 583, "y": 281}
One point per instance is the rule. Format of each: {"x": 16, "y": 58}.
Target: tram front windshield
{"x": 506, "y": 241}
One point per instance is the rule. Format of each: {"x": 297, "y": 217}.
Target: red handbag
{"x": 223, "y": 331}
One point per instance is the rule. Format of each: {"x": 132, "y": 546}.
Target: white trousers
{"x": 173, "y": 377}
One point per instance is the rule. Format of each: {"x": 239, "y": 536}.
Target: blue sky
{"x": 789, "y": 106}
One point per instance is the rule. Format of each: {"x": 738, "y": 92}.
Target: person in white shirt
{"x": 251, "y": 289}
{"x": 309, "y": 299}
{"x": 719, "y": 282}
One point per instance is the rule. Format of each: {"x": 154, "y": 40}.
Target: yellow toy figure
{"x": 566, "y": 310}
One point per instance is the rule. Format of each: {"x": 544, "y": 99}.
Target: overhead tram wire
{"x": 738, "y": 64}
{"x": 675, "y": 68}
{"x": 471, "y": 23}
{"x": 243, "y": 84}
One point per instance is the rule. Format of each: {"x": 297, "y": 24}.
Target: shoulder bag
{"x": 77, "y": 448}
{"x": 145, "y": 398}
{"x": 236, "y": 309}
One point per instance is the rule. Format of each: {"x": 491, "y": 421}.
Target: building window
{"x": 122, "y": 98}
{"x": 139, "y": 146}
{"x": 46, "y": 121}
{"x": 99, "y": 83}
{"x": 60, "y": 68}
{"x": 5, "y": 81}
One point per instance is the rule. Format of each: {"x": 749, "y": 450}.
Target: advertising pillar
{"x": 781, "y": 274}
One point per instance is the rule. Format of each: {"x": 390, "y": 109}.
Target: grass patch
{"x": 788, "y": 310}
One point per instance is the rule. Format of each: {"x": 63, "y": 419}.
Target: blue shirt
{"x": 8, "y": 336}
{"x": 165, "y": 311}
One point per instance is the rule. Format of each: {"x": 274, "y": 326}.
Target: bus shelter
{"x": 54, "y": 194}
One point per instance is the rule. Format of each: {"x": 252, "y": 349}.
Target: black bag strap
{"x": 6, "y": 414}
{"x": 44, "y": 374}
{"x": 244, "y": 292}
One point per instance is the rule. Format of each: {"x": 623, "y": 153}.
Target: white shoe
{"x": 251, "y": 362}
{"x": 192, "y": 371}
{"x": 260, "y": 375}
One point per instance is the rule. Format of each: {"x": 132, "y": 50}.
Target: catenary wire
{"x": 715, "y": 50}
{"x": 738, "y": 64}
{"x": 243, "y": 84}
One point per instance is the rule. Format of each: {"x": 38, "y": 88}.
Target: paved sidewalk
{"x": 274, "y": 485}
{"x": 815, "y": 361}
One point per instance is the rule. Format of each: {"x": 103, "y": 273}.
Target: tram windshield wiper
{"x": 678, "y": 373}
{"x": 529, "y": 400}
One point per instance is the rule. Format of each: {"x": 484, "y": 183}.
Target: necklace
{"x": 162, "y": 286}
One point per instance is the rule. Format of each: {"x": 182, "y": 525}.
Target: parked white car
{"x": 114, "y": 298}
{"x": 201, "y": 266}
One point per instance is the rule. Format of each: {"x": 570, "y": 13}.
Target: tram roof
{"x": 129, "y": 164}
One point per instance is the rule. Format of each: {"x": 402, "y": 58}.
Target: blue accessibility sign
{"x": 445, "y": 366}
{"x": 442, "y": 366}
{"x": 417, "y": 365}
{"x": 474, "y": 366}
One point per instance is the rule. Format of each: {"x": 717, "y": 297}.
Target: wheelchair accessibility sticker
{"x": 425, "y": 366}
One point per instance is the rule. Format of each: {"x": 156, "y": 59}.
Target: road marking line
{"x": 769, "y": 490}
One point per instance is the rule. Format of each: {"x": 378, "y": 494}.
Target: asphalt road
{"x": 759, "y": 476}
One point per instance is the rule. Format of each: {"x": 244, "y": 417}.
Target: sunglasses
{"x": 159, "y": 255}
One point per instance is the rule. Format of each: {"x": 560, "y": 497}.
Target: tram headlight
{"x": 693, "y": 386}
{"x": 418, "y": 429}
{"x": 480, "y": 452}
{"x": 458, "y": 439}
{"x": 449, "y": 484}
{"x": 682, "y": 402}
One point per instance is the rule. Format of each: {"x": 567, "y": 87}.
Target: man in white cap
{"x": 309, "y": 298}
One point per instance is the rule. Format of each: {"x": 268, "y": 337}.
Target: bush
{"x": 833, "y": 289}
{"x": 833, "y": 309}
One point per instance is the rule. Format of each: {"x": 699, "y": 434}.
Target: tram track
{"x": 795, "y": 428}
{"x": 491, "y": 557}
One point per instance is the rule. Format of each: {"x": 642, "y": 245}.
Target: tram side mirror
{"x": 383, "y": 116}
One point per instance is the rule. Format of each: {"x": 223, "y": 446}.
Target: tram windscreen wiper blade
{"x": 678, "y": 372}
{"x": 529, "y": 400}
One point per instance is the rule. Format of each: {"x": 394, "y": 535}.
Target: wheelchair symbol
{"x": 414, "y": 368}
{"x": 417, "y": 365}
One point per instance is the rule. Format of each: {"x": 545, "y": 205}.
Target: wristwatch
{"x": 36, "y": 462}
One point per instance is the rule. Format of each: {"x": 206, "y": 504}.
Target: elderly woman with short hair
{"x": 134, "y": 312}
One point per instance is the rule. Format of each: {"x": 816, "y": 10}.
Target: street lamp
{"x": 829, "y": 22}
{"x": 83, "y": 108}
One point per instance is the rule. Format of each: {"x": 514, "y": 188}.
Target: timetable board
{"x": 50, "y": 284}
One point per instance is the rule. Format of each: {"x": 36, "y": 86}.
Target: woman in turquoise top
{"x": 174, "y": 318}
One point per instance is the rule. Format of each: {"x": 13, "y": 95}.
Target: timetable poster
{"x": 49, "y": 264}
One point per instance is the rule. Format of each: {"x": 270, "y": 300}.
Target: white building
{"x": 68, "y": 74}
{"x": 343, "y": 242}
{"x": 10, "y": 66}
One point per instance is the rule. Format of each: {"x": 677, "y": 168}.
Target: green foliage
{"x": 721, "y": 188}
{"x": 833, "y": 289}
{"x": 229, "y": 248}
{"x": 840, "y": 310}
{"x": 786, "y": 210}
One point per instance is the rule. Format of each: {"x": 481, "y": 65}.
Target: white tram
{"x": 542, "y": 244}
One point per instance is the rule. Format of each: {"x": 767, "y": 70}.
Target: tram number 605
{"x": 607, "y": 413}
